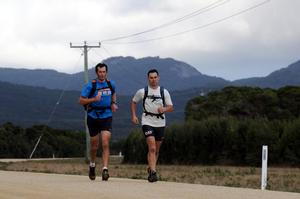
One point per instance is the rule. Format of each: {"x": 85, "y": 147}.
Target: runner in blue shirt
{"x": 100, "y": 100}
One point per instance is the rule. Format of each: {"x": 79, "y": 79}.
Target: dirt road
{"x": 40, "y": 185}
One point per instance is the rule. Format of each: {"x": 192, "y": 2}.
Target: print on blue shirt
{"x": 105, "y": 100}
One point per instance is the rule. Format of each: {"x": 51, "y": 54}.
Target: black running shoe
{"x": 105, "y": 174}
{"x": 152, "y": 176}
{"x": 92, "y": 174}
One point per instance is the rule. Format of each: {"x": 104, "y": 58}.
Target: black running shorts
{"x": 157, "y": 132}
{"x": 97, "y": 125}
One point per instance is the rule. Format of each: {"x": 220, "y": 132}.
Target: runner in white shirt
{"x": 156, "y": 102}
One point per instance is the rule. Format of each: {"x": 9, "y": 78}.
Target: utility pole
{"x": 86, "y": 80}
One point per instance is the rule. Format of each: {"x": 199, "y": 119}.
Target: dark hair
{"x": 152, "y": 71}
{"x": 100, "y": 65}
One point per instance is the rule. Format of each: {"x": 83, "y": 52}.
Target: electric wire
{"x": 185, "y": 17}
{"x": 195, "y": 28}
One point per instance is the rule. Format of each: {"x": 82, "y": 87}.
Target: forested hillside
{"x": 246, "y": 102}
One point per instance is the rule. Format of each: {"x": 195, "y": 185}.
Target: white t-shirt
{"x": 152, "y": 106}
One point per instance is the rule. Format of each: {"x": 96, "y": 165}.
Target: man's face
{"x": 101, "y": 73}
{"x": 153, "y": 79}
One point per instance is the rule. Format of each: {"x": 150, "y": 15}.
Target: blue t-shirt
{"x": 105, "y": 100}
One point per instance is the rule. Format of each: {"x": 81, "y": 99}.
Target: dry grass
{"x": 279, "y": 179}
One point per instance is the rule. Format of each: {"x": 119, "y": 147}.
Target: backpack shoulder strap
{"x": 162, "y": 95}
{"x": 110, "y": 86}
{"x": 145, "y": 96}
{"x": 94, "y": 85}
{"x": 146, "y": 93}
{"x": 92, "y": 92}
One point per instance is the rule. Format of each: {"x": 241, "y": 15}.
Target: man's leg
{"x": 105, "y": 135}
{"x": 93, "y": 152}
{"x": 151, "y": 152}
{"x": 94, "y": 147}
{"x": 152, "y": 159}
{"x": 158, "y": 144}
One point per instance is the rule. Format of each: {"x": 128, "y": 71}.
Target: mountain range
{"x": 130, "y": 74}
{"x": 285, "y": 76}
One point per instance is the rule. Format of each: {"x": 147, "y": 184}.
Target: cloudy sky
{"x": 226, "y": 38}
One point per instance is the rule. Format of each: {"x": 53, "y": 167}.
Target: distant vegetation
{"x": 17, "y": 142}
{"x": 230, "y": 127}
{"x": 247, "y": 102}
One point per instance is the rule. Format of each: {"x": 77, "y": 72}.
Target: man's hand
{"x": 98, "y": 97}
{"x": 114, "y": 107}
{"x": 161, "y": 109}
{"x": 135, "y": 120}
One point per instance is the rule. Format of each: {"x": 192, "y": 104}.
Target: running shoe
{"x": 105, "y": 174}
{"x": 152, "y": 176}
{"x": 92, "y": 174}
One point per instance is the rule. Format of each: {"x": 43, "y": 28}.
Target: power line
{"x": 196, "y": 28}
{"x": 106, "y": 50}
{"x": 102, "y": 57}
{"x": 185, "y": 17}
